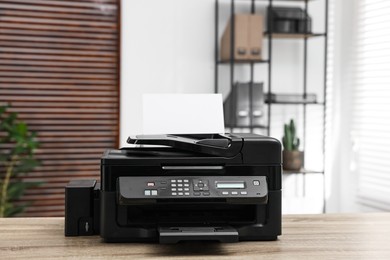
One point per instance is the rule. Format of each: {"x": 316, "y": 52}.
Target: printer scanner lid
{"x": 227, "y": 145}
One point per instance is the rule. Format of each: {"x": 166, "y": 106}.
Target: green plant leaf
{"x": 16, "y": 189}
{"x": 23, "y": 144}
{"x": 3, "y": 109}
{"x": 14, "y": 210}
{"x": 3, "y": 157}
{"x": 7, "y": 206}
{"x": 21, "y": 128}
{"x": 26, "y": 165}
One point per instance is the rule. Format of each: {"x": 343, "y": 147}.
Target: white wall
{"x": 167, "y": 47}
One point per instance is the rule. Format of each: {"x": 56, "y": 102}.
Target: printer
{"x": 173, "y": 188}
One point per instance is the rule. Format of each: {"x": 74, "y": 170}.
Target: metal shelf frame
{"x": 268, "y": 62}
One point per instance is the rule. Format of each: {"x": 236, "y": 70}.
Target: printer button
{"x": 179, "y": 185}
{"x": 154, "y": 192}
{"x": 186, "y": 180}
{"x": 174, "y": 193}
{"x": 200, "y": 185}
{"x": 206, "y": 193}
{"x": 147, "y": 192}
{"x": 150, "y": 184}
{"x": 186, "y": 189}
{"x": 244, "y": 193}
{"x": 234, "y": 192}
{"x": 196, "y": 193}
{"x": 225, "y": 193}
{"x": 173, "y": 189}
{"x": 173, "y": 180}
{"x": 187, "y": 194}
{"x": 180, "y": 189}
{"x": 256, "y": 182}
{"x": 173, "y": 184}
{"x": 179, "y": 180}
{"x": 180, "y": 193}
{"x": 186, "y": 185}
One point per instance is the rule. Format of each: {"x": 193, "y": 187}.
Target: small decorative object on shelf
{"x": 292, "y": 157}
{"x": 288, "y": 20}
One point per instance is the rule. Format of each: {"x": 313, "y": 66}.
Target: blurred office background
{"x": 75, "y": 72}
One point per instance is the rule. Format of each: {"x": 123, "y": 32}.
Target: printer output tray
{"x": 172, "y": 235}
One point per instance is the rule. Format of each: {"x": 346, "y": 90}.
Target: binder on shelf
{"x": 247, "y": 40}
{"x": 238, "y": 102}
{"x": 255, "y": 37}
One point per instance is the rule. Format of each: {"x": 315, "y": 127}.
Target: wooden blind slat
{"x": 55, "y": 75}
{"x": 58, "y": 64}
{"x": 65, "y": 111}
{"x": 86, "y": 88}
{"x": 56, "y": 92}
{"x": 55, "y": 98}
{"x": 27, "y": 38}
{"x": 61, "y": 46}
{"x": 68, "y": 4}
{"x": 54, "y": 58}
{"x": 11, "y": 5}
{"x": 59, "y": 71}
{"x": 51, "y": 104}
{"x": 61, "y": 16}
{"x": 79, "y": 35}
{"x": 67, "y": 25}
{"x": 76, "y": 53}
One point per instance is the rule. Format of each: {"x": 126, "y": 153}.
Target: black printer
{"x": 173, "y": 188}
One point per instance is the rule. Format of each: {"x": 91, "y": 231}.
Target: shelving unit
{"x": 305, "y": 37}
{"x": 268, "y": 61}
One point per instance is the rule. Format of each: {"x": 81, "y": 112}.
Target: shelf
{"x": 246, "y": 126}
{"x": 303, "y": 171}
{"x": 236, "y": 62}
{"x": 296, "y": 103}
{"x": 294, "y": 35}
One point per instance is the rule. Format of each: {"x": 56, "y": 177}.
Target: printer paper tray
{"x": 171, "y": 235}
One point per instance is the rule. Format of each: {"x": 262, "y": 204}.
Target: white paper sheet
{"x": 182, "y": 114}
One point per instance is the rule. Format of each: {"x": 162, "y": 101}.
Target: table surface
{"x": 329, "y": 236}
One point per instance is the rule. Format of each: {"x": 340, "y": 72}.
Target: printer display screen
{"x": 230, "y": 185}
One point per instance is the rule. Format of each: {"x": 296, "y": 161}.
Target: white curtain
{"x": 371, "y": 103}
{"x": 358, "y": 138}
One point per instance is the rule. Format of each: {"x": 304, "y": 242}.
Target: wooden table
{"x": 341, "y": 236}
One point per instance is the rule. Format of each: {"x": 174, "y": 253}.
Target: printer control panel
{"x": 181, "y": 187}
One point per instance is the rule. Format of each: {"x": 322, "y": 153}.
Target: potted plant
{"x": 292, "y": 157}
{"x": 16, "y": 159}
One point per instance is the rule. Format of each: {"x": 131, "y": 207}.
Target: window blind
{"x": 59, "y": 71}
{"x": 371, "y": 103}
